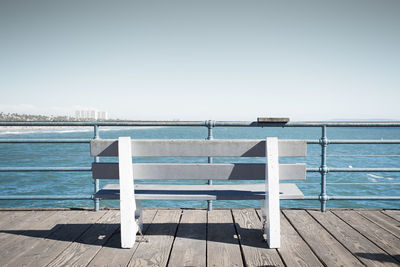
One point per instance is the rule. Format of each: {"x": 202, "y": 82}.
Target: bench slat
{"x": 199, "y": 171}
{"x": 198, "y": 148}
{"x": 201, "y": 192}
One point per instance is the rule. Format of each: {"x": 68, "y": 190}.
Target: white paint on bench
{"x": 127, "y": 196}
{"x": 272, "y": 229}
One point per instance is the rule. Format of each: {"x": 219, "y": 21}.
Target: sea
{"x": 81, "y": 183}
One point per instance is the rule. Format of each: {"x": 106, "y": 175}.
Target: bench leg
{"x": 139, "y": 215}
{"x": 271, "y": 208}
{"x": 127, "y": 193}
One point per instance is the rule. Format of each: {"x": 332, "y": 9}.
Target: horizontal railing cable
{"x": 45, "y": 141}
{"x": 370, "y": 183}
{"x": 47, "y": 197}
{"x": 354, "y": 198}
{"x": 84, "y": 141}
{"x": 354, "y": 169}
{"x": 84, "y": 169}
{"x": 355, "y": 156}
{"x": 46, "y": 155}
{"x": 45, "y": 183}
{"x": 45, "y": 169}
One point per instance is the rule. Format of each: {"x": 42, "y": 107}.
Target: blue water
{"x": 80, "y": 183}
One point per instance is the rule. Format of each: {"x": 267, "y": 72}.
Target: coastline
{"x": 61, "y": 129}
{"x": 39, "y": 128}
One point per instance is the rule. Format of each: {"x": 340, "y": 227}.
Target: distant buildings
{"x": 91, "y": 114}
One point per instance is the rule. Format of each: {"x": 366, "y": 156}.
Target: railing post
{"x": 210, "y": 124}
{"x": 96, "y": 181}
{"x": 323, "y": 169}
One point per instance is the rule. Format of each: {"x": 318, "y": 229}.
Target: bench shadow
{"x": 380, "y": 257}
{"x": 91, "y": 233}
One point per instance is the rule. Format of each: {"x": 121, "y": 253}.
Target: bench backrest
{"x": 199, "y": 148}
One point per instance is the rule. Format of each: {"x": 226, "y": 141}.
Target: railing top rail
{"x": 206, "y": 123}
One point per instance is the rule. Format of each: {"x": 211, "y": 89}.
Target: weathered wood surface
{"x": 200, "y": 238}
{"x": 324, "y": 245}
{"x": 11, "y": 217}
{"x": 222, "y": 241}
{"x": 201, "y": 192}
{"x": 294, "y": 251}
{"x": 373, "y": 231}
{"x": 81, "y": 251}
{"x": 395, "y": 214}
{"x": 255, "y": 249}
{"x": 190, "y": 245}
{"x": 355, "y": 242}
{"x": 198, "y": 148}
{"x": 16, "y": 231}
{"x": 386, "y": 222}
{"x": 199, "y": 171}
{"x": 70, "y": 225}
{"x": 160, "y": 234}
{"x": 111, "y": 253}
{"x": 272, "y": 120}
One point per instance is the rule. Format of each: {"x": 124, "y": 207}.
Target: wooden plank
{"x": 389, "y": 224}
{"x": 272, "y": 120}
{"x": 382, "y": 238}
{"x": 353, "y": 240}
{"x": 199, "y": 171}
{"x": 198, "y": 148}
{"x": 8, "y": 218}
{"x": 201, "y": 192}
{"x": 29, "y": 238}
{"x": 71, "y": 224}
{"x": 32, "y": 221}
{"x": 294, "y": 251}
{"x": 190, "y": 245}
{"x": 81, "y": 251}
{"x": 254, "y": 247}
{"x": 161, "y": 237}
{"x": 222, "y": 242}
{"x": 127, "y": 202}
{"x": 111, "y": 253}
{"x": 324, "y": 245}
{"x": 395, "y": 214}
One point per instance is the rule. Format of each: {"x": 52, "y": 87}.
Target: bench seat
{"x": 255, "y": 191}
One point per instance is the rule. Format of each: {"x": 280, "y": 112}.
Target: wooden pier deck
{"x": 192, "y": 237}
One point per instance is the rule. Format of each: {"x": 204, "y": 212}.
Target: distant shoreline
{"x": 43, "y": 127}
{"x": 55, "y": 129}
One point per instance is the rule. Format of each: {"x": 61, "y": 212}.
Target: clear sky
{"x": 202, "y": 59}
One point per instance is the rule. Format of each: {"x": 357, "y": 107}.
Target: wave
{"x": 375, "y": 176}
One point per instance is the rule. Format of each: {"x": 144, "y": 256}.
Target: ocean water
{"x": 81, "y": 183}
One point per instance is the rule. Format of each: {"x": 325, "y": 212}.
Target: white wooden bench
{"x": 270, "y": 191}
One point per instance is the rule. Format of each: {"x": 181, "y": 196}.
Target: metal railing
{"x": 323, "y": 170}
